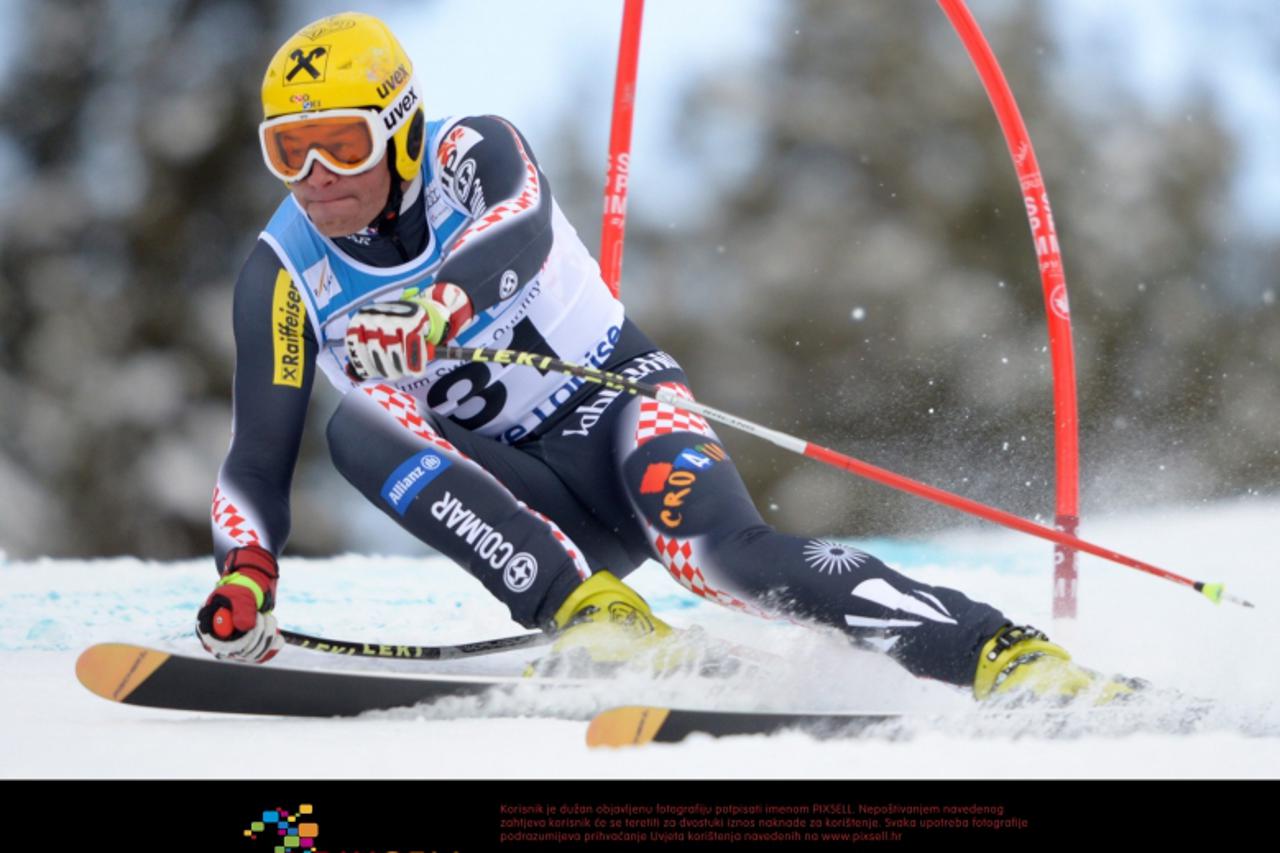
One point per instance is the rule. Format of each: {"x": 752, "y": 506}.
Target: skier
{"x": 401, "y": 232}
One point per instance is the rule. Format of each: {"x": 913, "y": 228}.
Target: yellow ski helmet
{"x": 347, "y": 62}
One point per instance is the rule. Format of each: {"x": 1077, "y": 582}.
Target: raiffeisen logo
{"x": 297, "y": 833}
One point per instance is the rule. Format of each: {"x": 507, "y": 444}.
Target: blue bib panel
{"x": 333, "y": 283}
{"x": 565, "y": 309}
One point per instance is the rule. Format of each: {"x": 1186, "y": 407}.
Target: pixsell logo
{"x": 288, "y": 831}
{"x": 298, "y": 832}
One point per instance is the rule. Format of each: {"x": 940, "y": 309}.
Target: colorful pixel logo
{"x": 289, "y": 833}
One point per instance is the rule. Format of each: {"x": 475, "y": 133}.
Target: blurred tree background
{"x": 868, "y": 282}
{"x": 858, "y": 271}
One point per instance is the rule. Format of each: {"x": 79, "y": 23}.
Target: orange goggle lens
{"x": 345, "y": 144}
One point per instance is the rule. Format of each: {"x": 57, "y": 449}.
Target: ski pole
{"x": 402, "y": 651}
{"x": 617, "y": 382}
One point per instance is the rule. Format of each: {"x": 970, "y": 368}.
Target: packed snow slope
{"x": 1222, "y": 722}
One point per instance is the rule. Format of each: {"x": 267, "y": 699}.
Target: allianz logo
{"x": 429, "y": 462}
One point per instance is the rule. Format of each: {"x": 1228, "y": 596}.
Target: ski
{"x": 355, "y": 648}
{"x": 136, "y": 675}
{"x": 1164, "y": 711}
{"x": 635, "y": 725}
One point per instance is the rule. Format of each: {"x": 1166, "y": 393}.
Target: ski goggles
{"x": 347, "y": 142}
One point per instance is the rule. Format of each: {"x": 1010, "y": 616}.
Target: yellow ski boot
{"x": 1021, "y": 663}
{"x": 604, "y": 626}
{"x": 609, "y": 619}
{"x": 601, "y": 626}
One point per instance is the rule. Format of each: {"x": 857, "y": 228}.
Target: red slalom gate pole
{"x": 1054, "y": 282}
{"x": 615, "y": 186}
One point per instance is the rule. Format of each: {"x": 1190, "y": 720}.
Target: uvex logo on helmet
{"x": 395, "y": 115}
{"x": 351, "y": 61}
{"x": 395, "y": 81}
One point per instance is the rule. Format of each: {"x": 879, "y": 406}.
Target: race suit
{"x": 529, "y": 480}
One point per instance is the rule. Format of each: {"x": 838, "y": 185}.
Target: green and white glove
{"x": 392, "y": 340}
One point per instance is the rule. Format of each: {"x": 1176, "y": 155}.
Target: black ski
{"x": 135, "y": 675}
{"x": 1148, "y": 711}
{"x": 402, "y": 652}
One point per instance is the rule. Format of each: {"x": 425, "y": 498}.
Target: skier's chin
{"x": 336, "y": 218}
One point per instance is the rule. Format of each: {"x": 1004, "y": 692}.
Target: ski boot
{"x": 1021, "y": 664}
{"x": 605, "y": 626}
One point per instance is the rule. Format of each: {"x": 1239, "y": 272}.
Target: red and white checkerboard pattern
{"x": 229, "y": 519}
{"x": 584, "y": 571}
{"x": 662, "y": 418}
{"x": 677, "y": 556}
{"x": 529, "y": 197}
{"x": 404, "y": 409}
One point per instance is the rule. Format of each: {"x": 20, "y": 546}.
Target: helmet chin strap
{"x": 386, "y": 220}
{"x": 385, "y": 223}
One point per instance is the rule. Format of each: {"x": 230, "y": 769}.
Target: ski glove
{"x": 396, "y": 339}
{"x": 236, "y": 622}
